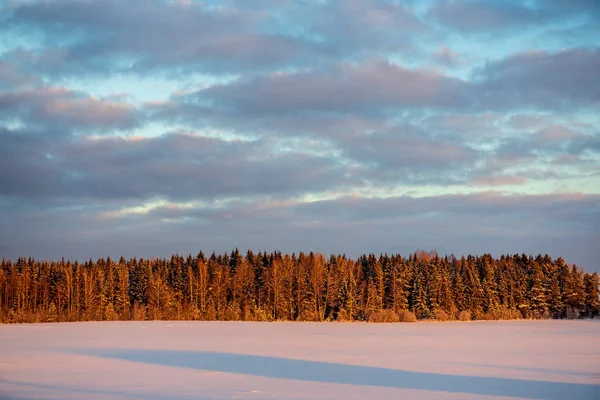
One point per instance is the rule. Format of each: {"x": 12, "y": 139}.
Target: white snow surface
{"x": 162, "y": 360}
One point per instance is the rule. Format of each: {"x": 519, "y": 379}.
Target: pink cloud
{"x": 555, "y": 133}
{"x": 500, "y": 181}
{"x": 447, "y": 56}
{"x": 87, "y": 111}
{"x": 61, "y": 106}
{"x": 344, "y": 87}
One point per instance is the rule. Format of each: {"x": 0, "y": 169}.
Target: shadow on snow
{"x": 327, "y": 372}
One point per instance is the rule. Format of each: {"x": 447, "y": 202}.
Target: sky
{"x": 146, "y": 128}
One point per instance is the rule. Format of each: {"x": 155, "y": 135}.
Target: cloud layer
{"x": 339, "y": 126}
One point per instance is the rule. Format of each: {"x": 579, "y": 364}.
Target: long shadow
{"x": 317, "y": 371}
{"x": 530, "y": 369}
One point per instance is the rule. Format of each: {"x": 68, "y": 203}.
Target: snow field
{"x": 162, "y": 360}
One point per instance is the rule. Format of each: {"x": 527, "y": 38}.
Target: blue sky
{"x": 144, "y": 128}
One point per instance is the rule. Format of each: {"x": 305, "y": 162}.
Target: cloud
{"x": 446, "y": 56}
{"x": 54, "y": 107}
{"x": 561, "y": 224}
{"x": 217, "y": 37}
{"x": 181, "y": 35}
{"x": 173, "y": 166}
{"x": 186, "y": 36}
{"x": 533, "y": 156}
{"x": 184, "y": 166}
{"x": 366, "y": 27}
{"x": 11, "y": 77}
{"x": 542, "y": 80}
{"x": 482, "y": 16}
{"x": 406, "y": 155}
{"x": 500, "y": 181}
{"x": 550, "y": 139}
{"x": 478, "y": 15}
{"x": 289, "y": 124}
{"x": 465, "y": 135}
{"x": 467, "y": 126}
{"x": 346, "y": 87}
{"x": 537, "y": 80}
{"x": 376, "y": 149}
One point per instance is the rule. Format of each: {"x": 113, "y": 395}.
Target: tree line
{"x": 298, "y": 287}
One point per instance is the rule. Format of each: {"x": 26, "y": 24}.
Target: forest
{"x": 298, "y": 287}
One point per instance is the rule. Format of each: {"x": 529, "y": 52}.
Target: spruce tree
{"x": 592, "y": 294}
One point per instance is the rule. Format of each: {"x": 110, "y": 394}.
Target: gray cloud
{"x": 562, "y": 225}
{"x": 176, "y": 166}
{"x": 211, "y": 38}
{"x": 521, "y": 148}
{"x": 482, "y": 16}
{"x": 346, "y": 87}
{"x": 354, "y": 211}
{"x": 540, "y": 79}
{"x": 549, "y": 140}
{"x": 11, "y": 77}
{"x": 147, "y": 35}
{"x": 321, "y": 99}
{"x": 181, "y": 166}
{"x": 409, "y": 155}
{"x": 83, "y": 38}
{"x": 367, "y": 27}
{"x": 354, "y": 107}
{"x": 537, "y": 80}
{"x": 61, "y": 108}
{"x": 467, "y": 126}
{"x": 382, "y": 149}
{"x": 446, "y": 56}
{"x": 535, "y": 154}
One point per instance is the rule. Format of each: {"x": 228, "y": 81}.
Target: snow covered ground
{"x": 240, "y": 360}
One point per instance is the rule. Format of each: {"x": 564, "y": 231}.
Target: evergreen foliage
{"x": 303, "y": 287}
